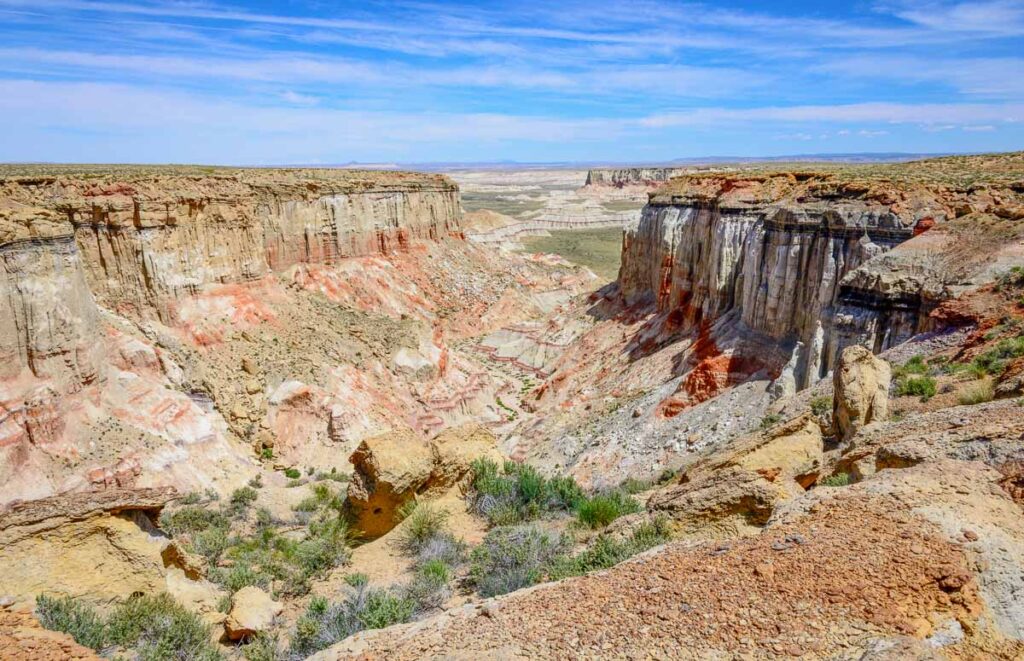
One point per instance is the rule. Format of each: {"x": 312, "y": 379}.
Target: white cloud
{"x": 858, "y": 112}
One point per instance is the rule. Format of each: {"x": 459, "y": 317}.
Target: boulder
{"x": 718, "y": 504}
{"x": 393, "y": 468}
{"x": 861, "y": 391}
{"x": 102, "y": 544}
{"x": 252, "y": 611}
{"x": 390, "y": 469}
{"x": 792, "y": 450}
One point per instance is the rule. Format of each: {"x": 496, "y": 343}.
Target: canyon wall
{"x": 798, "y": 257}
{"x": 137, "y": 245}
{"x": 113, "y": 282}
{"x": 623, "y": 177}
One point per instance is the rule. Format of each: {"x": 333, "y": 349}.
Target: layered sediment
{"x": 798, "y": 257}
{"x": 157, "y": 324}
{"x": 628, "y": 177}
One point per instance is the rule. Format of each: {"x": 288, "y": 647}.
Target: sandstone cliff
{"x": 626, "y": 177}
{"x": 798, "y": 256}
{"x": 156, "y": 323}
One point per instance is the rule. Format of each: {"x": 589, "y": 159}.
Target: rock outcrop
{"x": 800, "y": 256}
{"x": 626, "y": 177}
{"x": 394, "y": 468}
{"x": 861, "y": 387}
{"x": 252, "y": 612}
{"x": 101, "y": 545}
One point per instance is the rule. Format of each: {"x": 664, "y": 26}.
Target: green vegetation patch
{"x": 598, "y": 249}
{"x": 155, "y": 626}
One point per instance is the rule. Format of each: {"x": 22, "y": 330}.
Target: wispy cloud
{"x": 396, "y": 80}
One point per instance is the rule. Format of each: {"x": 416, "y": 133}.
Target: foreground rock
{"x": 847, "y": 571}
{"x": 103, "y": 546}
{"x": 861, "y": 387}
{"x": 252, "y": 612}
{"x": 23, "y": 639}
{"x": 736, "y": 489}
{"x": 395, "y": 468}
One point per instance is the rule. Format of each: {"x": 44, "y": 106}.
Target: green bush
{"x": 324, "y": 623}
{"x": 995, "y": 360}
{"x": 606, "y": 552}
{"x": 192, "y": 518}
{"x": 429, "y": 586}
{"x": 837, "y": 480}
{"x": 517, "y": 492}
{"x": 917, "y": 386}
{"x": 914, "y": 366}
{"x": 292, "y": 473}
{"x": 77, "y": 619}
{"x": 384, "y": 608}
{"x": 322, "y": 498}
{"x": 601, "y": 509}
{"x": 770, "y": 420}
{"x": 978, "y": 393}
{"x": 420, "y": 526}
{"x": 242, "y": 498}
{"x": 156, "y": 627}
{"x": 821, "y": 406}
{"x": 513, "y": 557}
{"x": 263, "y": 647}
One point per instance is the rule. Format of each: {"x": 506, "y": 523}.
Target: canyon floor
{"x": 728, "y": 413}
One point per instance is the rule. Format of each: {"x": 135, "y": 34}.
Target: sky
{"x": 318, "y": 82}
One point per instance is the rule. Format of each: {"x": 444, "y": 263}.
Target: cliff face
{"x": 798, "y": 257}
{"x": 144, "y": 242}
{"x": 623, "y": 177}
{"x": 157, "y": 324}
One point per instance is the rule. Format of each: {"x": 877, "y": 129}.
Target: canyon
{"x": 172, "y": 337}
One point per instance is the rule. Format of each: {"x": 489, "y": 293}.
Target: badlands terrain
{"x": 293, "y": 413}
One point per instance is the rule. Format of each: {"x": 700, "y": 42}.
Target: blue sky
{"x": 308, "y": 81}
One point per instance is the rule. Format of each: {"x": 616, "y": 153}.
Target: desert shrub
{"x": 917, "y": 386}
{"x": 513, "y": 557}
{"x": 333, "y": 475}
{"x": 160, "y": 628}
{"x": 324, "y": 623}
{"x": 292, "y": 473}
{"x": 606, "y": 551}
{"x": 603, "y": 508}
{"x": 517, "y": 492}
{"x": 263, "y": 647}
{"x": 242, "y": 498}
{"x": 977, "y": 393}
{"x": 821, "y": 406}
{"x": 321, "y": 498}
{"x": 77, "y": 619}
{"x": 357, "y": 579}
{"x": 192, "y": 518}
{"x": 914, "y": 366}
{"x": 837, "y": 480}
{"x": 1011, "y": 279}
{"x": 256, "y": 482}
{"x": 210, "y": 543}
{"x": 444, "y": 547}
{"x": 420, "y": 523}
{"x": 770, "y": 420}
{"x": 994, "y": 360}
{"x": 192, "y": 498}
{"x": 428, "y": 588}
{"x": 155, "y": 626}
{"x": 384, "y": 608}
